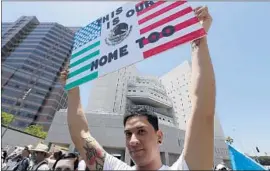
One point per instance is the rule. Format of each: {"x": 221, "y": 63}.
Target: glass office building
{"x": 33, "y": 55}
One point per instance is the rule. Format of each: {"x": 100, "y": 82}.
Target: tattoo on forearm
{"x": 195, "y": 44}
{"x": 94, "y": 154}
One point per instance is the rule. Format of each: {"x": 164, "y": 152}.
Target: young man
{"x": 24, "y": 163}
{"x": 141, "y": 128}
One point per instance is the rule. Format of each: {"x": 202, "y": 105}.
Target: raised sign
{"x": 130, "y": 34}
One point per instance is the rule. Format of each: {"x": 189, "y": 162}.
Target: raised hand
{"x": 63, "y": 76}
{"x": 204, "y": 17}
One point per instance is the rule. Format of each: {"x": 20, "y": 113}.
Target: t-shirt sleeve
{"x": 44, "y": 167}
{"x": 81, "y": 165}
{"x": 113, "y": 163}
{"x": 180, "y": 164}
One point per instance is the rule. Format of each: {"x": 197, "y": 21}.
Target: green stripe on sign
{"x": 86, "y": 67}
{"x": 86, "y": 49}
{"x": 85, "y": 58}
{"x": 81, "y": 80}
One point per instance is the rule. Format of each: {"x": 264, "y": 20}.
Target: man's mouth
{"x": 135, "y": 151}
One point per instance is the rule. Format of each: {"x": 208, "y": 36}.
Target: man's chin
{"x": 137, "y": 154}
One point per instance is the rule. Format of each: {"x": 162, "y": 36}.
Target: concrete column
{"x": 127, "y": 157}
{"x": 167, "y": 159}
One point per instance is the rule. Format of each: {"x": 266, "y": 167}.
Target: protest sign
{"x": 129, "y": 34}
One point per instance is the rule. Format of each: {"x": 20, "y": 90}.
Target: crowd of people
{"x": 27, "y": 158}
{"x": 39, "y": 158}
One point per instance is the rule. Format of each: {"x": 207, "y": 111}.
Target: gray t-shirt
{"x": 112, "y": 163}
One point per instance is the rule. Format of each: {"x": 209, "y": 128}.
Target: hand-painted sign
{"x": 128, "y": 35}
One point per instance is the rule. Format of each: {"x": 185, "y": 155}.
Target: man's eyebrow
{"x": 139, "y": 127}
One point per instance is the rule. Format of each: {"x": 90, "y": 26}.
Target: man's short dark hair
{"x": 141, "y": 110}
{"x": 68, "y": 156}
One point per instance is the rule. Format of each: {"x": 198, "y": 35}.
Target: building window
{"x": 134, "y": 90}
{"x": 129, "y": 90}
{"x": 141, "y": 91}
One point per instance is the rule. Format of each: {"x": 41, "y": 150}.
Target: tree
{"x": 6, "y": 118}
{"x": 36, "y": 130}
{"x": 229, "y": 140}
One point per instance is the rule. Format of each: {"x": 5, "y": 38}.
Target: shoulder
{"x": 180, "y": 164}
{"x": 113, "y": 163}
{"x": 44, "y": 166}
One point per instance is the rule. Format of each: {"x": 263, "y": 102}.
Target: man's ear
{"x": 160, "y": 136}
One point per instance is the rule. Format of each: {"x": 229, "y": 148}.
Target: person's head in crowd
{"x": 40, "y": 153}
{"x": 221, "y": 167}
{"x": 57, "y": 155}
{"x": 26, "y": 151}
{"x": 66, "y": 162}
{"x": 143, "y": 136}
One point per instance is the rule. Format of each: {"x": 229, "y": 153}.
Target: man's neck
{"x": 154, "y": 165}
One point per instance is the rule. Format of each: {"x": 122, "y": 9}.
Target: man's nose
{"x": 134, "y": 140}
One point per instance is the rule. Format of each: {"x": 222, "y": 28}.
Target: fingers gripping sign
{"x": 204, "y": 17}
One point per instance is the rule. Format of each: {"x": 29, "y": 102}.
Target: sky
{"x": 239, "y": 47}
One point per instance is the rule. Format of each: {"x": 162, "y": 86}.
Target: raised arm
{"x": 199, "y": 139}
{"x": 92, "y": 153}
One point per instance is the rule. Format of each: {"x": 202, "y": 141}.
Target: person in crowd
{"x": 25, "y": 162}
{"x": 3, "y": 158}
{"x": 57, "y": 155}
{"x": 4, "y": 155}
{"x": 142, "y": 134}
{"x": 221, "y": 167}
{"x": 67, "y": 162}
{"x": 40, "y": 155}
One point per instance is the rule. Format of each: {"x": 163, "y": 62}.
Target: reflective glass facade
{"x": 33, "y": 55}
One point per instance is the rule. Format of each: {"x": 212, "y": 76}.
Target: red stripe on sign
{"x": 186, "y": 23}
{"x": 150, "y": 7}
{"x": 179, "y": 27}
{"x": 181, "y": 40}
{"x": 166, "y": 20}
{"x": 167, "y": 8}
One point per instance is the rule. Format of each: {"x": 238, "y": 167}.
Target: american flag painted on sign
{"x": 87, "y": 34}
{"x": 164, "y": 13}
{"x": 86, "y": 48}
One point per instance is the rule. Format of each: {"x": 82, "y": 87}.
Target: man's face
{"x": 39, "y": 156}
{"x": 25, "y": 153}
{"x": 142, "y": 140}
{"x": 65, "y": 164}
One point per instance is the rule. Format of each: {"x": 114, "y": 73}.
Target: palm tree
{"x": 229, "y": 140}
